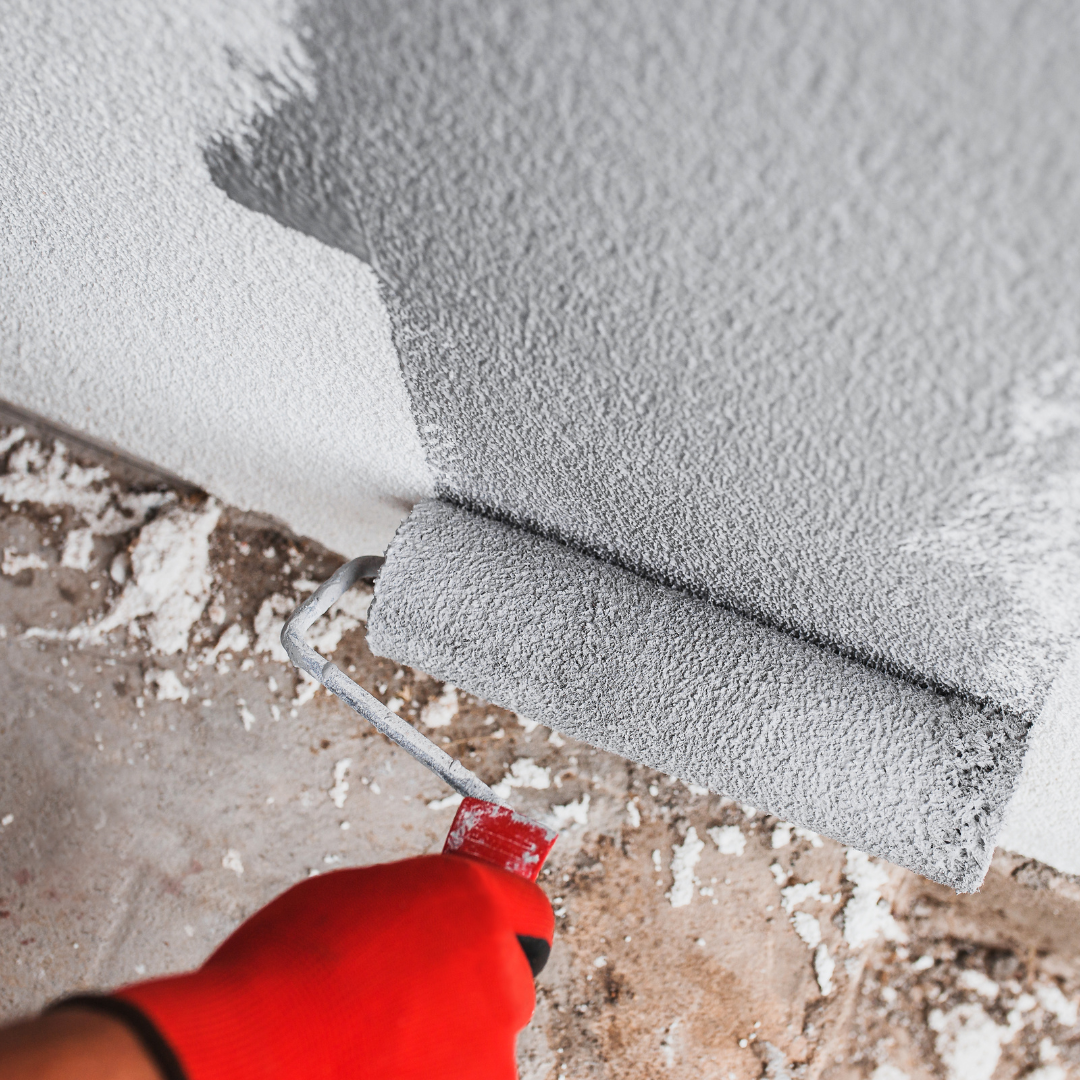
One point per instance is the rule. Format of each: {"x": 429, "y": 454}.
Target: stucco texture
{"x": 772, "y": 305}
{"x": 144, "y": 308}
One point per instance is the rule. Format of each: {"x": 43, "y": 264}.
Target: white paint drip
{"x": 11, "y": 438}
{"x": 247, "y": 717}
{"x": 523, "y": 773}
{"x": 560, "y": 818}
{"x": 233, "y": 640}
{"x": 781, "y": 835}
{"x": 866, "y": 915}
{"x": 78, "y": 550}
{"x": 968, "y": 1042}
{"x": 728, "y": 838}
{"x": 824, "y": 969}
{"x": 445, "y": 804}
{"x": 169, "y": 588}
{"x": 232, "y": 861}
{"x": 683, "y": 860}
{"x": 979, "y": 983}
{"x": 440, "y": 711}
{"x": 305, "y": 689}
{"x": 340, "y": 791}
{"x": 668, "y": 1044}
{"x": 35, "y": 476}
{"x": 348, "y": 613}
{"x": 14, "y": 563}
{"x": 169, "y": 686}
{"x": 794, "y": 895}
{"x": 807, "y": 927}
{"x": 889, "y": 1072}
{"x": 269, "y": 620}
{"x": 1051, "y": 998}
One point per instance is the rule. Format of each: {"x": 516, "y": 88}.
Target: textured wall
{"x": 142, "y": 306}
{"x": 772, "y": 303}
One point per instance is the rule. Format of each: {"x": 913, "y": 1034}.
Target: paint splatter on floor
{"x": 186, "y": 774}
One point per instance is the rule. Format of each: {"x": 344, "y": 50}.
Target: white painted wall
{"x": 142, "y": 307}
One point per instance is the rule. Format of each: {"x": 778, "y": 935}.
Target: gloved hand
{"x": 415, "y": 969}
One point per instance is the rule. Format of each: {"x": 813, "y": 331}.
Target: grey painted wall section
{"x": 773, "y": 304}
{"x": 142, "y": 306}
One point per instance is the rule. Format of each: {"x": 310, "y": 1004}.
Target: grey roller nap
{"x": 599, "y": 653}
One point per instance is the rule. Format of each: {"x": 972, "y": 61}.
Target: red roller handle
{"x": 500, "y": 836}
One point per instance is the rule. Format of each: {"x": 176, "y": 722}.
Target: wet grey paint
{"x": 771, "y": 304}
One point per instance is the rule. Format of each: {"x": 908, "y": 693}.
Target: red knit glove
{"x": 420, "y": 968}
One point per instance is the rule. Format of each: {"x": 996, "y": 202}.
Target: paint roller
{"x": 484, "y": 826}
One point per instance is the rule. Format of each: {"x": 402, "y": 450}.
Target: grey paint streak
{"x": 686, "y": 687}
{"x": 774, "y": 305}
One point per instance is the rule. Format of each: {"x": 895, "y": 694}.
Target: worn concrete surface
{"x": 139, "y": 831}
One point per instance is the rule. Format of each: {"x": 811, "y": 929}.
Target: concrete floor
{"x": 139, "y": 828}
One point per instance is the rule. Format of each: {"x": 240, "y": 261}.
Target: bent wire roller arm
{"x": 302, "y": 654}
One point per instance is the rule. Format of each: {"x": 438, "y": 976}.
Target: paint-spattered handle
{"x": 500, "y": 836}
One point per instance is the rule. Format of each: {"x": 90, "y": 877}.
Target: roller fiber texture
{"x": 679, "y": 684}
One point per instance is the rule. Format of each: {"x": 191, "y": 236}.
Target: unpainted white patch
{"x": 556, "y": 740}
{"x": 529, "y": 725}
{"x": 340, "y": 791}
{"x": 633, "y": 815}
{"x": 169, "y": 686}
{"x": 684, "y": 859}
{"x": 7, "y": 819}
{"x": 729, "y": 839}
{"x": 440, "y": 711}
{"x": 867, "y": 916}
{"x": 807, "y": 834}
